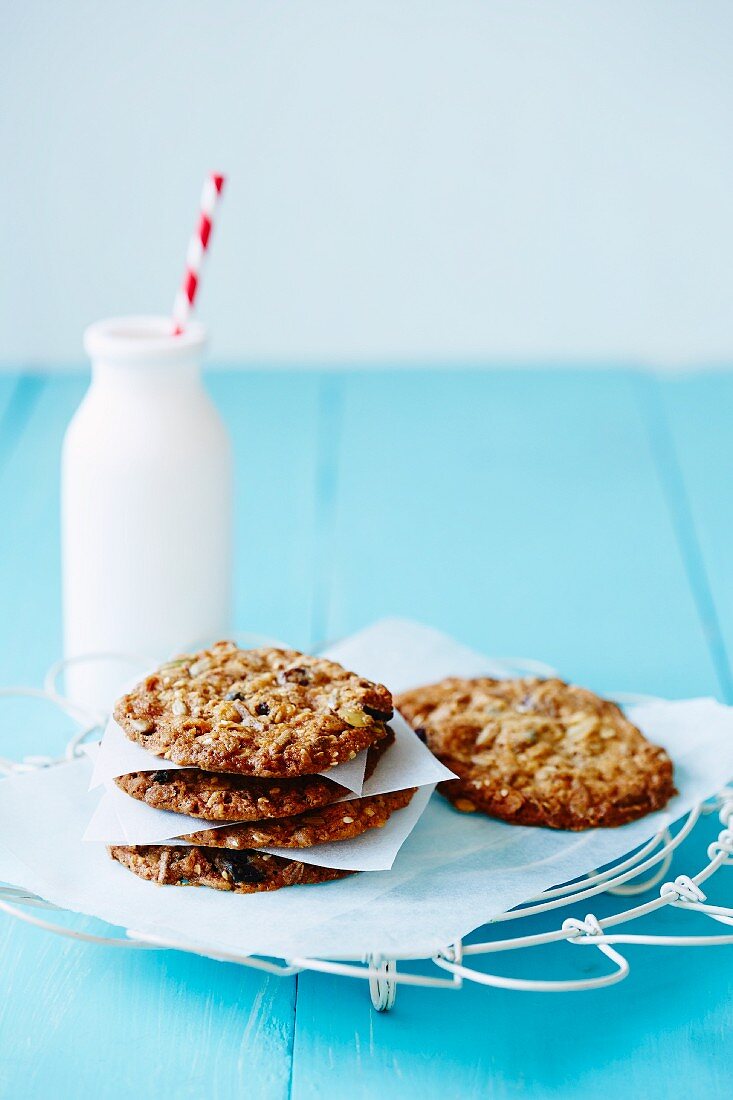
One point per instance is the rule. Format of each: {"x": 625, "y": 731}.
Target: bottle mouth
{"x": 135, "y": 339}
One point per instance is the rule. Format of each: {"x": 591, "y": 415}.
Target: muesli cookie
{"x": 341, "y": 821}
{"x": 215, "y": 796}
{"x": 240, "y": 872}
{"x": 262, "y": 712}
{"x": 539, "y": 752}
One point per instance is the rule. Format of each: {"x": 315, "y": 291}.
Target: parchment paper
{"x": 119, "y": 819}
{"x": 374, "y": 850}
{"x": 118, "y": 756}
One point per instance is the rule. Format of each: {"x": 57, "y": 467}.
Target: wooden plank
{"x": 9, "y": 379}
{"x": 16, "y": 399}
{"x": 130, "y": 1017}
{"x": 81, "y": 1020}
{"x": 521, "y": 512}
{"x": 273, "y": 420}
{"x": 525, "y": 514}
{"x": 30, "y": 623}
{"x": 694, "y": 414}
{"x": 30, "y": 627}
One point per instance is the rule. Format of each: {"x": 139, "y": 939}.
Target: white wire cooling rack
{"x": 638, "y": 873}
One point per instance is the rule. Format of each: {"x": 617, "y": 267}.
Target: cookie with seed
{"x": 341, "y": 821}
{"x": 257, "y": 712}
{"x": 539, "y": 752}
{"x": 215, "y": 796}
{"x": 240, "y": 872}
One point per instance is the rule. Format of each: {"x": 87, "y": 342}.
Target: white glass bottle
{"x": 146, "y": 503}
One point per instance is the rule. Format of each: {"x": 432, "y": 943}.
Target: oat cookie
{"x": 215, "y": 796}
{"x": 539, "y": 752}
{"x": 240, "y": 872}
{"x": 262, "y": 712}
{"x": 341, "y": 821}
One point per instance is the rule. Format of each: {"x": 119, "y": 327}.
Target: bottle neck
{"x": 142, "y": 377}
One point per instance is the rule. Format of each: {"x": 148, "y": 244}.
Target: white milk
{"x": 146, "y": 504}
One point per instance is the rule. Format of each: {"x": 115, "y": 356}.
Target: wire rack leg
{"x": 382, "y": 987}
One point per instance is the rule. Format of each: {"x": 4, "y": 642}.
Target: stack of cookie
{"x": 252, "y": 732}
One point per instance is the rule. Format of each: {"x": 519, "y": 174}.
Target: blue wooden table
{"x": 584, "y": 518}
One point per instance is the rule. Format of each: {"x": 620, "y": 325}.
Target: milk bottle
{"x": 146, "y": 504}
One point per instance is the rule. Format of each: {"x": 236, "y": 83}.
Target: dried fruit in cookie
{"x": 238, "y": 872}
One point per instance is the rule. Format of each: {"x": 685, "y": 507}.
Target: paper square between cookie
{"x": 120, "y": 819}
{"x": 118, "y": 755}
{"x": 117, "y": 822}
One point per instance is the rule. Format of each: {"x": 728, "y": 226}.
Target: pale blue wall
{"x": 447, "y": 180}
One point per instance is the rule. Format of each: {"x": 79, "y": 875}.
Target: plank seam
{"x": 17, "y": 413}
{"x": 677, "y": 499}
{"x": 330, "y": 416}
{"x": 292, "y": 1038}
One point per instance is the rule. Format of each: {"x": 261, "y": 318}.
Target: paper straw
{"x": 197, "y": 246}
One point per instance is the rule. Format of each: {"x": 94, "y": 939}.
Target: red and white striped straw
{"x": 197, "y": 246}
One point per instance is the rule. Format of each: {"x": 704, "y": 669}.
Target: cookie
{"x": 539, "y": 752}
{"x": 240, "y": 872}
{"x": 258, "y": 712}
{"x": 341, "y": 821}
{"x": 215, "y": 796}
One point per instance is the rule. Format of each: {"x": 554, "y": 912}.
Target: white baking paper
{"x": 403, "y": 654}
{"x": 454, "y": 872}
{"x": 119, "y": 756}
{"x": 119, "y": 819}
